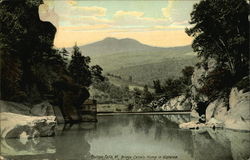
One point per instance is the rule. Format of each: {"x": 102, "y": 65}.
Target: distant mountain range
{"x": 111, "y": 45}
{"x": 128, "y": 57}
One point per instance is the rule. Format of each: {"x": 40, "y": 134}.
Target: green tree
{"x": 79, "y": 67}
{"x": 157, "y": 86}
{"x": 22, "y": 46}
{"x": 64, "y": 53}
{"x": 173, "y": 88}
{"x": 96, "y": 73}
{"x": 187, "y": 73}
{"x": 147, "y": 97}
{"x": 221, "y": 31}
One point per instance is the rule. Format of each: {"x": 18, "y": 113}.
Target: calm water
{"x": 132, "y": 137}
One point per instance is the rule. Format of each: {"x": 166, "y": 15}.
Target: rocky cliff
{"x": 32, "y": 71}
{"x": 231, "y": 111}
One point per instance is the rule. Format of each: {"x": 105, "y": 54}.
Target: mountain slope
{"x": 146, "y": 73}
{"x": 128, "y": 57}
{"x": 109, "y": 46}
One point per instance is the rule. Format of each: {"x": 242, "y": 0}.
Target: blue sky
{"x": 157, "y": 23}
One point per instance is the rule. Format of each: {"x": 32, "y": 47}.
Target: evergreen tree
{"x": 79, "y": 67}
{"x": 64, "y": 53}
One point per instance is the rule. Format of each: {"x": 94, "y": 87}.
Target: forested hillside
{"x": 146, "y": 73}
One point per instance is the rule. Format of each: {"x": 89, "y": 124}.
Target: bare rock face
{"x": 22, "y": 126}
{"x": 41, "y": 109}
{"x": 177, "y": 104}
{"x": 217, "y": 110}
{"x": 239, "y": 113}
{"x": 237, "y": 117}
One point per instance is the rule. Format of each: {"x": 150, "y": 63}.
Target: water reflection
{"x": 129, "y": 136}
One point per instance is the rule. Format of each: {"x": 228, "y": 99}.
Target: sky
{"x": 156, "y": 23}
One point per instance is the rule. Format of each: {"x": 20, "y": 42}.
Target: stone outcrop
{"x": 40, "y": 109}
{"x": 217, "y": 110}
{"x": 23, "y": 126}
{"x": 179, "y": 103}
{"x": 237, "y": 116}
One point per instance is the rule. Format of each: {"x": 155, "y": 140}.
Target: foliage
{"x": 175, "y": 87}
{"x": 157, "y": 86}
{"x": 221, "y": 31}
{"x": 187, "y": 73}
{"x": 145, "y": 74}
{"x": 110, "y": 93}
{"x": 79, "y": 67}
{"x": 23, "y": 45}
{"x": 30, "y": 67}
{"x": 217, "y": 81}
{"x": 96, "y": 73}
{"x": 244, "y": 84}
{"x": 147, "y": 97}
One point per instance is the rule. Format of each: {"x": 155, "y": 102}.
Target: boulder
{"x": 17, "y": 148}
{"x": 7, "y": 106}
{"x": 22, "y": 126}
{"x": 194, "y": 114}
{"x": 42, "y": 109}
{"x": 212, "y": 123}
{"x": 238, "y": 116}
{"x": 217, "y": 109}
{"x": 59, "y": 116}
{"x": 217, "y": 114}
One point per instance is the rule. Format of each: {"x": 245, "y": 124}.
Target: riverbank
{"x": 28, "y": 121}
{"x": 218, "y": 115}
{"x": 132, "y": 135}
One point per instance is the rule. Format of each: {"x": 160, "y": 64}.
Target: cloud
{"x": 178, "y": 11}
{"x": 167, "y": 11}
{"x": 88, "y": 11}
{"x": 85, "y": 20}
{"x": 85, "y": 27}
{"x": 130, "y": 13}
{"x": 134, "y": 18}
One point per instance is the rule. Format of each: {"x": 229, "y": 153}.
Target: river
{"x": 127, "y": 137}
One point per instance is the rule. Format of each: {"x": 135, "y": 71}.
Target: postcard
{"x": 124, "y": 80}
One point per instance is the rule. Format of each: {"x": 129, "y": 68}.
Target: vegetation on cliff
{"x": 31, "y": 69}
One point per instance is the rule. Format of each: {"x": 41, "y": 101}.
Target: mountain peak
{"x": 109, "y": 39}
{"x": 111, "y": 45}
